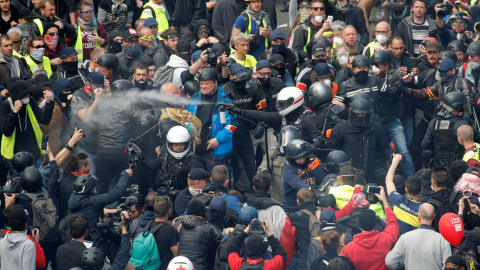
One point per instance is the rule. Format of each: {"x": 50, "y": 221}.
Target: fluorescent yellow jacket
{"x": 34, "y": 66}
{"x": 159, "y": 15}
{"x": 79, "y": 46}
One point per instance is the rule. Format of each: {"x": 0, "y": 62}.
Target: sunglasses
{"x": 165, "y": 197}
{"x": 38, "y": 46}
{"x": 47, "y": 36}
{"x": 147, "y": 37}
{"x": 203, "y": 31}
{"x": 318, "y": 8}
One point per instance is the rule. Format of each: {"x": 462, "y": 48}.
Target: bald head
{"x": 382, "y": 26}
{"x": 426, "y": 213}
{"x": 15, "y": 36}
{"x": 169, "y": 89}
{"x": 465, "y": 132}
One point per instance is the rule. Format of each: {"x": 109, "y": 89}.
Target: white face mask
{"x": 337, "y": 41}
{"x": 381, "y": 39}
{"x": 25, "y": 100}
{"x": 375, "y": 70}
{"x": 97, "y": 90}
{"x": 304, "y": 13}
{"x": 328, "y": 82}
{"x": 194, "y": 191}
{"x": 343, "y": 60}
{"x": 318, "y": 19}
{"x": 474, "y": 65}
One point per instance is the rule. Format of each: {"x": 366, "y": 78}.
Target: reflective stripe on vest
{"x": 249, "y": 29}
{"x": 34, "y": 66}
{"x": 39, "y": 24}
{"x": 79, "y": 46}
{"x": 159, "y": 16}
{"x": 8, "y": 143}
{"x": 472, "y": 154}
{"x": 309, "y": 31}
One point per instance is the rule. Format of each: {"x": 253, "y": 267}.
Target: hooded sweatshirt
{"x": 369, "y": 249}
{"x": 193, "y": 45}
{"x": 17, "y": 252}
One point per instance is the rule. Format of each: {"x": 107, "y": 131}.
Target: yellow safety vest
{"x": 472, "y": 154}
{"x": 343, "y": 194}
{"x": 249, "y": 29}
{"x": 8, "y": 143}
{"x": 159, "y": 16}
{"x": 79, "y": 46}
{"x": 34, "y": 66}
{"x": 374, "y": 46}
{"x": 39, "y": 24}
{"x": 249, "y": 62}
{"x": 309, "y": 32}
{"x": 17, "y": 54}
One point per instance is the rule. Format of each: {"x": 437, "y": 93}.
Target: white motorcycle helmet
{"x": 178, "y": 135}
{"x": 180, "y": 262}
{"x": 289, "y": 99}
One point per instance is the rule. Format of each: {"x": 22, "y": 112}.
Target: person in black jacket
{"x": 352, "y": 15}
{"x": 187, "y": 13}
{"x": 197, "y": 238}
{"x": 204, "y": 36}
{"x": 69, "y": 255}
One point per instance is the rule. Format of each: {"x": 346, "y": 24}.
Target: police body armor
{"x": 174, "y": 175}
{"x": 445, "y": 138}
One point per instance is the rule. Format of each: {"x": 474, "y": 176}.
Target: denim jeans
{"x": 396, "y": 133}
{"x": 408, "y": 126}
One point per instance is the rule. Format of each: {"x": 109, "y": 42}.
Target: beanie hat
{"x": 458, "y": 260}
{"x": 256, "y": 246}
{"x": 367, "y": 220}
{"x": 457, "y": 168}
{"x": 196, "y": 207}
{"x": 327, "y": 200}
{"x": 220, "y": 204}
{"x": 328, "y": 218}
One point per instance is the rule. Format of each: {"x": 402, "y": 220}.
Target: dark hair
{"x": 161, "y": 207}
{"x": 331, "y": 241}
{"x": 305, "y": 195}
{"x": 75, "y": 162}
{"x": 4, "y": 37}
{"x": 150, "y": 200}
{"x": 84, "y": 3}
{"x": 79, "y": 224}
{"x": 338, "y": 264}
{"x": 141, "y": 67}
{"x": 423, "y": 1}
{"x": 220, "y": 173}
{"x": 440, "y": 175}
{"x": 262, "y": 181}
{"x": 140, "y": 200}
{"x": 413, "y": 184}
{"x": 397, "y": 38}
{"x": 30, "y": 42}
{"x": 16, "y": 217}
{"x": 317, "y": 1}
{"x": 359, "y": 177}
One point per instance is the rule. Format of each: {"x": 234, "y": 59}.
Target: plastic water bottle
{"x": 192, "y": 130}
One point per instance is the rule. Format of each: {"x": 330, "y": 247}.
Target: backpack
{"x": 447, "y": 206}
{"x": 313, "y": 224}
{"x": 154, "y": 15}
{"x": 468, "y": 251}
{"x": 163, "y": 75}
{"x": 245, "y": 265}
{"x": 44, "y": 215}
{"x": 144, "y": 249}
{"x": 182, "y": 117}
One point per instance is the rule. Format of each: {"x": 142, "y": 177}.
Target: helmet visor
{"x": 359, "y": 119}
{"x": 288, "y": 134}
{"x": 284, "y": 104}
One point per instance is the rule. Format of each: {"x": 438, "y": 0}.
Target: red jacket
{"x": 40, "y": 261}
{"x": 369, "y": 249}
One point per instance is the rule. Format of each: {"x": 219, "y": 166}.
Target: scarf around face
{"x": 259, "y": 16}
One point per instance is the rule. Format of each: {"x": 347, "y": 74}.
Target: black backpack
{"x": 447, "y": 206}
{"x": 246, "y": 266}
{"x": 468, "y": 251}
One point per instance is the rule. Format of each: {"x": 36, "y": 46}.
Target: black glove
{"x": 319, "y": 142}
{"x": 235, "y": 110}
{"x": 259, "y": 132}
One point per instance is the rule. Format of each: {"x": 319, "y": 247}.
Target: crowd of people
{"x": 196, "y": 134}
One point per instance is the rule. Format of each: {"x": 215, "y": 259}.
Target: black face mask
{"x": 70, "y": 66}
{"x": 64, "y": 97}
{"x": 115, "y": 47}
{"x": 281, "y": 71}
{"x": 240, "y": 85}
{"x": 317, "y": 61}
{"x": 142, "y": 85}
{"x": 265, "y": 82}
{"x": 279, "y": 48}
{"x": 361, "y": 77}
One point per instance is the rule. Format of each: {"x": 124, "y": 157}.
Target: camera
{"x": 256, "y": 227}
{"x": 212, "y": 57}
{"x": 134, "y": 154}
{"x": 446, "y": 9}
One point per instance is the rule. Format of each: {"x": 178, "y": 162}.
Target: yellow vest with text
{"x": 159, "y": 16}
{"x": 79, "y": 46}
{"x": 8, "y": 143}
{"x": 472, "y": 154}
{"x": 343, "y": 194}
{"x": 34, "y": 66}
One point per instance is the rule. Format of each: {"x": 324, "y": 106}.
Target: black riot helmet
{"x": 207, "y": 74}
{"x": 84, "y": 184}
{"x": 121, "y": 85}
{"x": 361, "y": 61}
{"x": 381, "y": 57}
{"x": 448, "y": 54}
{"x": 459, "y": 15}
{"x": 452, "y": 104}
{"x": 474, "y": 48}
{"x": 92, "y": 259}
{"x": 191, "y": 87}
{"x": 108, "y": 60}
{"x": 145, "y": 122}
{"x": 22, "y": 160}
{"x": 318, "y": 96}
{"x": 457, "y": 45}
{"x": 322, "y": 41}
{"x": 31, "y": 179}
{"x": 360, "y": 114}
{"x": 287, "y": 135}
{"x": 338, "y": 158}
{"x": 296, "y": 149}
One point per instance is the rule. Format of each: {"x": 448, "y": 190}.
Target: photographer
{"x": 255, "y": 249}
{"x": 137, "y": 225}
{"x": 458, "y": 23}
{"x": 84, "y": 199}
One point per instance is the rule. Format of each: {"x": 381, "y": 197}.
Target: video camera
{"x": 446, "y": 9}
{"x": 214, "y": 52}
{"x": 256, "y": 227}
{"x": 134, "y": 154}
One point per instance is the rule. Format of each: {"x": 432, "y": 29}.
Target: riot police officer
{"x": 290, "y": 105}
{"x": 362, "y": 139}
{"x": 177, "y": 160}
{"x": 360, "y": 82}
{"x": 334, "y": 161}
{"x": 441, "y": 133}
